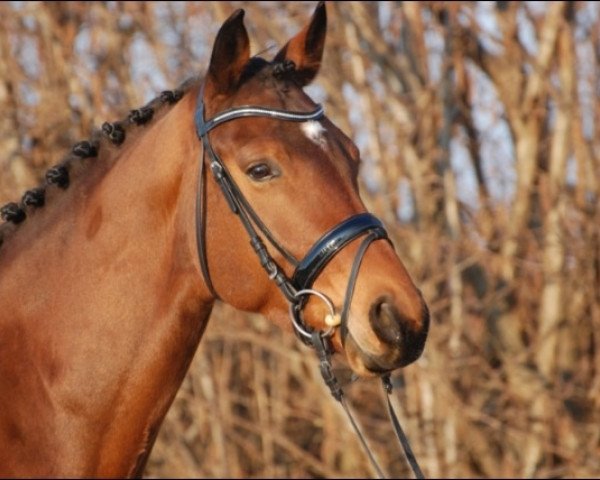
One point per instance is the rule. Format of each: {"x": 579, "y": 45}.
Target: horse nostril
{"x": 386, "y": 321}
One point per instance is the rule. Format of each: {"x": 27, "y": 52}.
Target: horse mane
{"x": 62, "y": 174}
{"x": 116, "y": 133}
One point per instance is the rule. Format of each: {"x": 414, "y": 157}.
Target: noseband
{"x": 297, "y": 288}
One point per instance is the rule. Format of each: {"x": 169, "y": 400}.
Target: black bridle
{"x": 318, "y": 256}
{"x": 297, "y": 288}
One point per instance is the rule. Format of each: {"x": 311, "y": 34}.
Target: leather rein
{"x": 298, "y": 288}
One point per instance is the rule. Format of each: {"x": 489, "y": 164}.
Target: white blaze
{"x": 315, "y": 132}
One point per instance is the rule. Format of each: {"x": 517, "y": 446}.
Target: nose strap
{"x": 323, "y": 251}
{"x": 370, "y": 238}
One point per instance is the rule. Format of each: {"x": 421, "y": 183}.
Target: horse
{"x": 235, "y": 187}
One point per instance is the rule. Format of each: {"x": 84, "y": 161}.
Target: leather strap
{"x": 331, "y": 243}
{"x": 402, "y": 438}
{"x": 203, "y": 127}
{"x": 201, "y": 226}
{"x": 362, "y": 249}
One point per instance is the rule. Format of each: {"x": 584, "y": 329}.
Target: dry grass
{"x": 479, "y": 128}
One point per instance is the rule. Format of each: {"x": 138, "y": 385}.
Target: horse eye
{"x": 260, "y": 172}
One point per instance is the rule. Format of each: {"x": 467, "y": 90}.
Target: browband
{"x": 205, "y": 126}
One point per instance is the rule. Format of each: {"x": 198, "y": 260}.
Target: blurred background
{"x": 478, "y": 124}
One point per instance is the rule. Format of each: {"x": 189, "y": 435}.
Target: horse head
{"x": 298, "y": 178}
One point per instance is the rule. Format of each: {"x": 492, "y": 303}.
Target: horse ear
{"x": 230, "y": 54}
{"x": 306, "y": 48}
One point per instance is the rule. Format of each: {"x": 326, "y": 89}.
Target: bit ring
{"x": 296, "y": 312}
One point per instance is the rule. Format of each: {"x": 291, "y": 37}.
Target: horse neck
{"x": 102, "y": 299}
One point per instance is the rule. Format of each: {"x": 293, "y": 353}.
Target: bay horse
{"x": 108, "y": 272}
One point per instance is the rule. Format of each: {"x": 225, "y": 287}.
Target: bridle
{"x": 298, "y": 288}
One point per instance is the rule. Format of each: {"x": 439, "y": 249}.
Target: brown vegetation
{"x": 478, "y": 125}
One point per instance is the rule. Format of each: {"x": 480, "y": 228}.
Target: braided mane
{"x": 115, "y": 133}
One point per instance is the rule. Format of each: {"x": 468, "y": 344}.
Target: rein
{"x": 298, "y": 288}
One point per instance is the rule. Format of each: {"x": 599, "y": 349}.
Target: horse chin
{"x": 366, "y": 364}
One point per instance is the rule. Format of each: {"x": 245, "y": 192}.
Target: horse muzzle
{"x": 398, "y": 340}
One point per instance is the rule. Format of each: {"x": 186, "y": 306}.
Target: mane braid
{"x": 35, "y": 197}
{"x": 60, "y": 175}
{"x": 114, "y": 131}
{"x": 85, "y": 149}
{"x": 141, "y": 116}
{"x": 12, "y": 212}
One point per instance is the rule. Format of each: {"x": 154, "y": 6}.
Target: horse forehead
{"x": 315, "y": 132}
